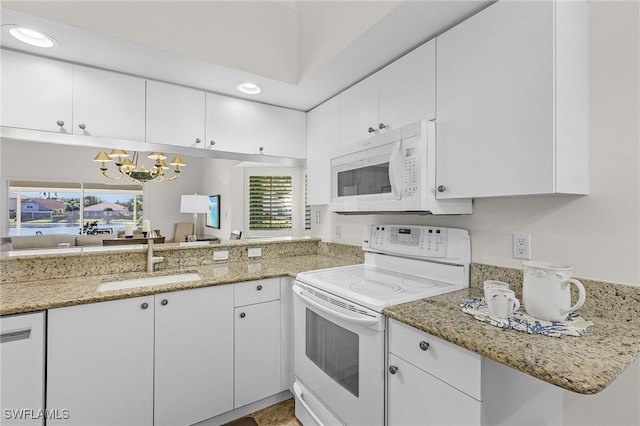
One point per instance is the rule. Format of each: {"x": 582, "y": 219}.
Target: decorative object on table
{"x": 135, "y": 171}
{"x": 502, "y": 302}
{"x": 146, "y": 227}
{"x": 194, "y": 204}
{"x": 128, "y": 230}
{"x": 572, "y": 325}
{"x": 546, "y": 290}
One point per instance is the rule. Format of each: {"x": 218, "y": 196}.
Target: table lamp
{"x": 194, "y": 204}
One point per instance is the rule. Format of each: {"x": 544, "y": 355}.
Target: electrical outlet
{"x": 254, "y": 252}
{"x": 521, "y": 246}
{"x": 221, "y": 255}
{"x": 338, "y": 231}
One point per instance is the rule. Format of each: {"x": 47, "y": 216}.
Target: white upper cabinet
{"x": 234, "y": 125}
{"x": 175, "y": 115}
{"x": 408, "y": 88}
{"x": 401, "y": 93}
{"x": 512, "y": 101}
{"x": 229, "y": 123}
{"x": 36, "y": 93}
{"x": 323, "y": 137}
{"x": 359, "y": 111}
{"x": 279, "y": 131}
{"x": 108, "y": 104}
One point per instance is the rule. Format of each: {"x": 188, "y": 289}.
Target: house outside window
{"x": 67, "y": 208}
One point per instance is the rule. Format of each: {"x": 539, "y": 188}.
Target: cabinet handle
{"x": 60, "y": 123}
{"x": 259, "y": 287}
{"x": 371, "y": 130}
{"x": 381, "y": 126}
{"x": 442, "y": 188}
{"x": 261, "y": 149}
{"x": 393, "y": 369}
{"x": 242, "y": 315}
{"x": 424, "y": 345}
{"x": 82, "y": 126}
{"x": 198, "y": 140}
{"x": 164, "y": 302}
{"x": 212, "y": 143}
{"x": 144, "y": 305}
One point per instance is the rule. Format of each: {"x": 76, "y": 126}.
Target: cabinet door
{"x": 359, "y": 111}
{"x": 108, "y": 104}
{"x": 279, "y": 131}
{"x": 175, "y": 115}
{"x": 36, "y": 93}
{"x": 408, "y": 88}
{"x": 495, "y": 131}
{"x": 418, "y": 398}
{"x": 100, "y": 363}
{"x": 257, "y": 352}
{"x": 230, "y": 124}
{"x": 323, "y": 137}
{"x": 194, "y": 355}
{"x": 22, "y": 367}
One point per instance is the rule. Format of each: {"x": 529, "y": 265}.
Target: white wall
{"x": 598, "y": 234}
{"x": 50, "y": 162}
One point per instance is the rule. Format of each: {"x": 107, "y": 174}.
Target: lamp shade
{"x": 194, "y": 204}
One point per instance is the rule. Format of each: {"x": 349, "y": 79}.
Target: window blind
{"x": 270, "y": 203}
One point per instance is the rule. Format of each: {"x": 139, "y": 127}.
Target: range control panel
{"x": 416, "y": 240}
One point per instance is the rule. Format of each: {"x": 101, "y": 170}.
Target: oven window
{"x": 364, "y": 181}
{"x": 334, "y": 350}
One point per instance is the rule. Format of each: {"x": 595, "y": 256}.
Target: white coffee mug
{"x": 489, "y": 284}
{"x": 546, "y": 290}
{"x": 502, "y": 303}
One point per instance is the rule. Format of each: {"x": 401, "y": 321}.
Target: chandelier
{"x": 138, "y": 173}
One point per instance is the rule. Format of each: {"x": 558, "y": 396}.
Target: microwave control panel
{"x": 415, "y": 240}
{"x": 410, "y": 172}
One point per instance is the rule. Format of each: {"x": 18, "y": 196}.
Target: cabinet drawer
{"x": 452, "y": 364}
{"x": 256, "y": 291}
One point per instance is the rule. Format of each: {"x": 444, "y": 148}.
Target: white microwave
{"x": 392, "y": 172}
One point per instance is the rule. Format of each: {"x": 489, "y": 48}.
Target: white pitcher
{"x": 546, "y": 290}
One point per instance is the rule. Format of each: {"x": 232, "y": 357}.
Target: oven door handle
{"x": 297, "y": 390}
{"x": 351, "y": 319}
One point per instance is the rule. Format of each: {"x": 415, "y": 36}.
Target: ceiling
{"x": 301, "y": 52}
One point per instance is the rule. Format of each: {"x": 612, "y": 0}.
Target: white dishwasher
{"x": 22, "y": 369}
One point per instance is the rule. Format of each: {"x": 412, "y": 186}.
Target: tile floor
{"x": 281, "y": 414}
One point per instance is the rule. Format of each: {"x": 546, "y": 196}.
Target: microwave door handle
{"x": 392, "y": 170}
{"x": 354, "y": 320}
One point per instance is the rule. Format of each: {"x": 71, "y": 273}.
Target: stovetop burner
{"x": 375, "y": 287}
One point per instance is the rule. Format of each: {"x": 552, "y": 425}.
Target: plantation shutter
{"x": 270, "y": 203}
{"x": 307, "y": 207}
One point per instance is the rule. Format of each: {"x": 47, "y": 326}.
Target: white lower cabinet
{"x": 193, "y": 355}
{"x": 257, "y": 341}
{"x": 162, "y": 360}
{"x": 433, "y": 382}
{"x": 418, "y": 398}
{"x": 22, "y": 369}
{"x": 100, "y": 363}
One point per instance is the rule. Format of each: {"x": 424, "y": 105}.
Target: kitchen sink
{"x": 148, "y": 282}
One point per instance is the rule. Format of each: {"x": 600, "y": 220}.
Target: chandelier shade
{"x": 134, "y": 171}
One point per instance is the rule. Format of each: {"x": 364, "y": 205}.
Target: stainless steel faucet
{"x": 151, "y": 259}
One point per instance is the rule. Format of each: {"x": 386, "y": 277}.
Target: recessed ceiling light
{"x": 249, "y": 88}
{"x": 31, "y": 36}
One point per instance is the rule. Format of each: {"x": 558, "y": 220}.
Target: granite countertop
{"x": 585, "y": 364}
{"x": 29, "y": 296}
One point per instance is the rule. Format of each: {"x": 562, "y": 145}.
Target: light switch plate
{"x": 255, "y": 252}
{"x": 221, "y": 255}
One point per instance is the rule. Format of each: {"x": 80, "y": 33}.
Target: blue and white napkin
{"x": 573, "y": 325}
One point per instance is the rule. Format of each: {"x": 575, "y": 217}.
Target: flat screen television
{"x": 213, "y": 217}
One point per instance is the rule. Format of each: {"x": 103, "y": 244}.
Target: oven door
{"x": 339, "y": 359}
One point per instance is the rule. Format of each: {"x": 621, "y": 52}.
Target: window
{"x": 270, "y": 203}
{"x": 275, "y": 202}
{"x": 72, "y": 208}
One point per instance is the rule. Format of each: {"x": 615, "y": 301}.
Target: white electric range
{"x": 338, "y": 321}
